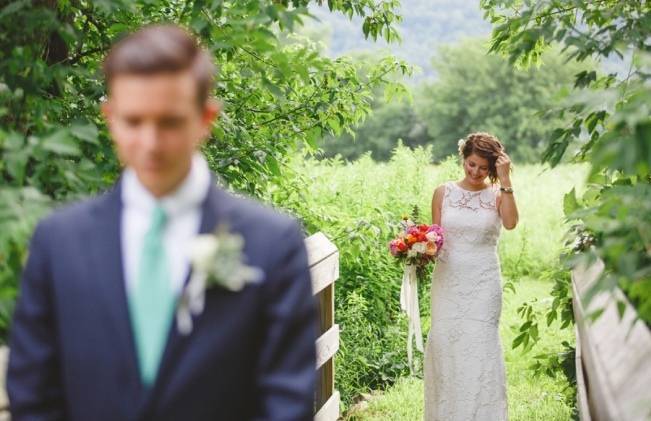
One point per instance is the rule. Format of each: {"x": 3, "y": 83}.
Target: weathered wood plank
{"x": 324, "y": 273}
{"x": 318, "y": 248}
{"x": 323, "y": 258}
{"x": 327, "y": 346}
{"x": 330, "y": 410}
{"x": 581, "y": 390}
{"x": 614, "y": 352}
{"x": 326, "y": 379}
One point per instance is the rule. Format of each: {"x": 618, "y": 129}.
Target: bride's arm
{"x": 437, "y": 200}
{"x": 506, "y": 206}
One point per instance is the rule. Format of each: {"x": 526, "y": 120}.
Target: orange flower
{"x": 431, "y": 248}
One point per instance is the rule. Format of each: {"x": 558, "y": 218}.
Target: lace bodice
{"x": 470, "y": 219}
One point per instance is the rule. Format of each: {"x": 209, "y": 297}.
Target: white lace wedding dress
{"x": 464, "y": 365}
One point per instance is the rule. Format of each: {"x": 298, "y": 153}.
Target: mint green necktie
{"x": 152, "y": 301}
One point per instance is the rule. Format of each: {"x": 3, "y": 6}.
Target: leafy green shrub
{"x": 370, "y": 356}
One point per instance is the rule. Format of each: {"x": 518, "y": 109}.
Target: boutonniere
{"x": 217, "y": 261}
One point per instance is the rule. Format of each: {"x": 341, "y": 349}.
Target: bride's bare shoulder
{"x": 440, "y": 189}
{"x": 439, "y": 192}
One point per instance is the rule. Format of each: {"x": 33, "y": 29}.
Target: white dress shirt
{"x": 183, "y": 210}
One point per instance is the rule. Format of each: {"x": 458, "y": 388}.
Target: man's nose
{"x": 149, "y": 136}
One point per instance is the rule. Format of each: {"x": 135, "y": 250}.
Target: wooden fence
{"x": 323, "y": 257}
{"x": 613, "y": 356}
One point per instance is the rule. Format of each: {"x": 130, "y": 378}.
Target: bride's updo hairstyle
{"x": 484, "y": 145}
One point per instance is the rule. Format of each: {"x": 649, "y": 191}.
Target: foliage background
{"x": 473, "y": 91}
{"x": 278, "y": 91}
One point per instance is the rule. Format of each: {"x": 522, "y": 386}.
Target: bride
{"x": 464, "y": 365}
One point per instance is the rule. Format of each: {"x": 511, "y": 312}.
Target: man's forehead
{"x": 179, "y": 89}
{"x": 169, "y": 80}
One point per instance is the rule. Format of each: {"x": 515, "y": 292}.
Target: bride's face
{"x": 476, "y": 170}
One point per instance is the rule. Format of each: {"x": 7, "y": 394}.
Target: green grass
{"x": 531, "y": 399}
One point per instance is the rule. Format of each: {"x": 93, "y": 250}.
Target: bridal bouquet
{"x": 417, "y": 245}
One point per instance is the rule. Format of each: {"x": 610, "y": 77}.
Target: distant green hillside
{"x": 426, "y": 24}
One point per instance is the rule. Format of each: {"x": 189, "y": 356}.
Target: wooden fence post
{"x": 323, "y": 258}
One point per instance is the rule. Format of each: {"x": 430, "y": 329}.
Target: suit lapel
{"x": 106, "y": 257}
{"x": 213, "y": 209}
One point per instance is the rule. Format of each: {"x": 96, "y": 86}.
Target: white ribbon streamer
{"x": 409, "y": 304}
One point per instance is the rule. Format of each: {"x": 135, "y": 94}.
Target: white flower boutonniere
{"x": 216, "y": 260}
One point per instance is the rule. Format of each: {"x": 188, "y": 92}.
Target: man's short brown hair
{"x": 160, "y": 49}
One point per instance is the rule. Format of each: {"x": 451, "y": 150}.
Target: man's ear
{"x": 105, "y": 108}
{"x": 211, "y": 110}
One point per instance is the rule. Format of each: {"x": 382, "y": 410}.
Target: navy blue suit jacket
{"x": 250, "y": 356}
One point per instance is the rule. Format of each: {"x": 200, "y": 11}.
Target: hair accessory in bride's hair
{"x": 461, "y": 143}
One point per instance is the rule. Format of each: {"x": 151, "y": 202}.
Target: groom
{"x": 94, "y": 334}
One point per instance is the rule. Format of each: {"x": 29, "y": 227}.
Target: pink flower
{"x": 432, "y": 236}
{"x": 397, "y": 246}
{"x": 439, "y": 231}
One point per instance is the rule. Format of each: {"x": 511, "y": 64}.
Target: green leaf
{"x": 621, "y": 308}
{"x": 365, "y": 28}
{"x": 570, "y": 204}
{"x": 594, "y": 315}
{"x": 519, "y": 339}
{"x": 584, "y": 78}
{"x": 313, "y": 135}
{"x": 16, "y": 162}
{"x": 273, "y": 88}
{"x": 87, "y": 132}
{"x": 273, "y": 166}
{"x": 60, "y": 143}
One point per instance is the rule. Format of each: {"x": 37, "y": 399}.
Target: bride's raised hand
{"x": 503, "y": 167}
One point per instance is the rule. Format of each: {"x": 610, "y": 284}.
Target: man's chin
{"x": 156, "y": 181}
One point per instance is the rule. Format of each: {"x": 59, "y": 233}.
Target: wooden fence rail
{"x": 323, "y": 258}
{"x": 613, "y": 356}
